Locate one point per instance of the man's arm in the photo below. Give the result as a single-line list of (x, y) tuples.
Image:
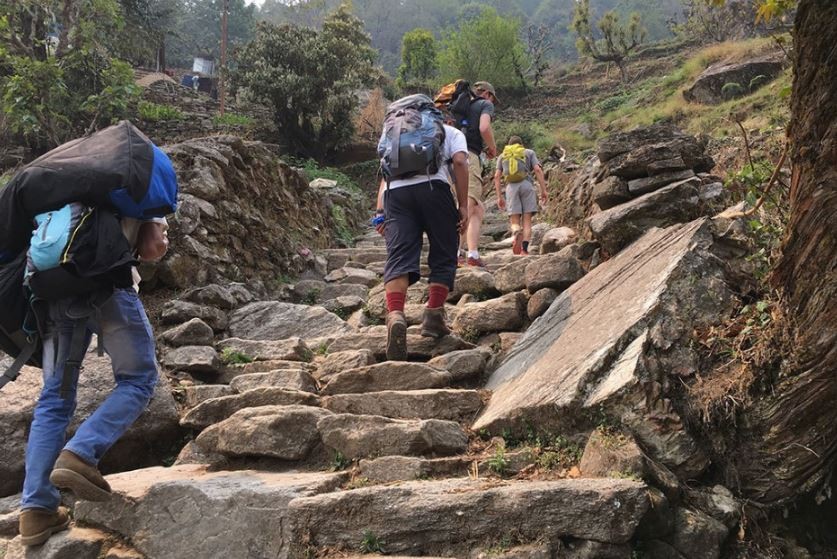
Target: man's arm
[(381, 189), (542, 183), (488, 135), (460, 179), (498, 187)]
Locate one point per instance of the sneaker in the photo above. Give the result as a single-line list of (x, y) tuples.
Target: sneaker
[(517, 242), (475, 262), (460, 261), (396, 336), (37, 525), (76, 475), (433, 323)]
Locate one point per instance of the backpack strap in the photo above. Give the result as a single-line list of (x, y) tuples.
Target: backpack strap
[(13, 371), (395, 155), (72, 365)]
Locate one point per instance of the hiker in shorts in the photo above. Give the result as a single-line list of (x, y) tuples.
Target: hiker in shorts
[(415, 206), (479, 136), (124, 331), (515, 166)]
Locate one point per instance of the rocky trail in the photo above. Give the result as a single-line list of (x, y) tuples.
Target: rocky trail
[(553, 423)]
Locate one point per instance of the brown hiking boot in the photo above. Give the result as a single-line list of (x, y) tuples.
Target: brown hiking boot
[(85, 481), (37, 525), (433, 323), (396, 336)]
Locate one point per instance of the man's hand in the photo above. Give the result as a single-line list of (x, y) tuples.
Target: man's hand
[(491, 151), (463, 219), (380, 228), (152, 241), (501, 202), (544, 197)]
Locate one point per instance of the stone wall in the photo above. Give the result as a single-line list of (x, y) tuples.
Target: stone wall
[(244, 215), (199, 116)]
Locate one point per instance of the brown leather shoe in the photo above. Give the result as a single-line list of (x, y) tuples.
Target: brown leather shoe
[(85, 481), (37, 525), (433, 323), (396, 336)]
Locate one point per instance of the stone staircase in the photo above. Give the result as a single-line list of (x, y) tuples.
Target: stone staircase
[(303, 441)]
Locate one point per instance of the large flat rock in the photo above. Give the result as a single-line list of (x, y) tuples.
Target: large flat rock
[(613, 341), (619, 226), (185, 511), (449, 518), (274, 320), (146, 443)]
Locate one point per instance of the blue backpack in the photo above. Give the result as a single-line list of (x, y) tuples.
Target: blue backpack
[(413, 137)]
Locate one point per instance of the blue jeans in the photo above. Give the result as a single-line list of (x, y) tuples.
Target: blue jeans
[(127, 338)]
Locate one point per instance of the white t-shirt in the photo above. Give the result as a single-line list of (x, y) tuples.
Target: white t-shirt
[(454, 143)]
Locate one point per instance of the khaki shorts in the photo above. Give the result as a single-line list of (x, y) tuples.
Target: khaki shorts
[(521, 198), (475, 182)]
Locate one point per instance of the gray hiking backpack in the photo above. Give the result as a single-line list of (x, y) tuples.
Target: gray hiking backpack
[(413, 137)]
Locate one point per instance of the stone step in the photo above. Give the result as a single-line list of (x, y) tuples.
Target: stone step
[(217, 410), (418, 347), (78, 543), (388, 469), (390, 375), (365, 436), (447, 404), (186, 511), (450, 518)]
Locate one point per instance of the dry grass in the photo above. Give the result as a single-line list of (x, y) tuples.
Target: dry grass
[(745, 352), (371, 118)]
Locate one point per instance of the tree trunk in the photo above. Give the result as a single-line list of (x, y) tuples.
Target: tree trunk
[(794, 429)]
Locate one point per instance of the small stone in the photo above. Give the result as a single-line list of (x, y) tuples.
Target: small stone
[(291, 379), (394, 375), (557, 271), (540, 301), (462, 365), (292, 349), (557, 238), (193, 359), (178, 312), (194, 332), (340, 361)]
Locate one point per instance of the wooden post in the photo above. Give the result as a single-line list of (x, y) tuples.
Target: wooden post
[(222, 90)]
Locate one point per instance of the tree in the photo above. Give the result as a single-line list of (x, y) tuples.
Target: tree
[(310, 78), (418, 60), (793, 443), (708, 22), (617, 42), (199, 29), (538, 46), (53, 89), (488, 48)]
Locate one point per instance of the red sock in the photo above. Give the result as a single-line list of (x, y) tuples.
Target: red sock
[(395, 301), (438, 296)]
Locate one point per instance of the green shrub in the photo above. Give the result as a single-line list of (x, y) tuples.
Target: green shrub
[(313, 170), (230, 356), (232, 119), (731, 89), (154, 112)]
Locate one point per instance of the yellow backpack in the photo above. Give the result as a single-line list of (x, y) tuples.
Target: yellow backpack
[(515, 155)]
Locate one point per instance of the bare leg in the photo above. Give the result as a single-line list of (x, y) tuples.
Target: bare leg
[(397, 285), (475, 215), (527, 227)]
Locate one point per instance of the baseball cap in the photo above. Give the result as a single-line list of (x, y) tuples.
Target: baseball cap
[(485, 86)]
